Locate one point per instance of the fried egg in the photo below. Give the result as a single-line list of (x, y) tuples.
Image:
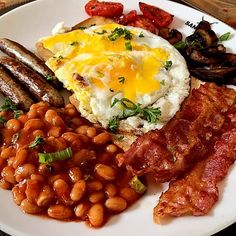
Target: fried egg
[(120, 73)]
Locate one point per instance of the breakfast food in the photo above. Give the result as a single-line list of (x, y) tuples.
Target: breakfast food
[(171, 151), (124, 78), (58, 164), (133, 83)]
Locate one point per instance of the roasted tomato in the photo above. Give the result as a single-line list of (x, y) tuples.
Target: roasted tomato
[(106, 9), (159, 17), (143, 22), (127, 18)]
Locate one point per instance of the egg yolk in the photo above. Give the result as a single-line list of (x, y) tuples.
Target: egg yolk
[(120, 65)]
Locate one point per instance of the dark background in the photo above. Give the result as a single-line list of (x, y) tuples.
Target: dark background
[(231, 230)]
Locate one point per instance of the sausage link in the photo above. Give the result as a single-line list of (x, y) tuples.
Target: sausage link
[(18, 51), (10, 88), (33, 81)]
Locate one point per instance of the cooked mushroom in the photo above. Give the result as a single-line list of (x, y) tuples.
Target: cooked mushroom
[(173, 36), (220, 75), (230, 58), (203, 25)]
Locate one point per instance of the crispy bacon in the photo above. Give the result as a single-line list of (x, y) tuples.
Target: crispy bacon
[(197, 191), (171, 151)]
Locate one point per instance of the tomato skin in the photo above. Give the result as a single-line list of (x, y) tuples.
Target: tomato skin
[(159, 17), (143, 22), (105, 9), (127, 18)]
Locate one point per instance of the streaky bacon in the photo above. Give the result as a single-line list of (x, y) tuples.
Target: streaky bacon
[(171, 151), (197, 192)]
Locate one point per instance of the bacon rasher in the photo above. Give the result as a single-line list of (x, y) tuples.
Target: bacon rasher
[(197, 191), (171, 151)]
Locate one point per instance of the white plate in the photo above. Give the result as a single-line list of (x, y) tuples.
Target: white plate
[(32, 21)]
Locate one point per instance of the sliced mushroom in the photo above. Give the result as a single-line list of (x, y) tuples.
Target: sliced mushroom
[(230, 58)]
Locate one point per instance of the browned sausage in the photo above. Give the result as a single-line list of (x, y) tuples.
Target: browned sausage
[(16, 50), (10, 88), (37, 86)]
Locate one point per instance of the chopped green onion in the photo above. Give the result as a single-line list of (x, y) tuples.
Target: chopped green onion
[(17, 113), (47, 158), (225, 37), (113, 124), (118, 32), (75, 43), (168, 65), (137, 185), (180, 45), (162, 82), (38, 140), (49, 78), (120, 138), (128, 46), (82, 28)]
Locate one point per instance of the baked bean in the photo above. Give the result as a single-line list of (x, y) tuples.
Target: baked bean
[(23, 119), (4, 184), (78, 190), (102, 138), (33, 124), (53, 178), (38, 132), (60, 212), (42, 110), (105, 171), (8, 152), (82, 209), (70, 136), (45, 197), (18, 196), (96, 197), (2, 163), (111, 148), (58, 121), (30, 207), (83, 155), (69, 106), (71, 112), (91, 132), (77, 121), (94, 185), (116, 204), (56, 143), (61, 187), (49, 115), (37, 177), (14, 125), (20, 158), (111, 190), (24, 171), (76, 145), (96, 215), (33, 189), (84, 139), (75, 174), (32, 113), (82, 129), (55, 132), (105, 157), (44, 170), (128, 194), (8, 174)]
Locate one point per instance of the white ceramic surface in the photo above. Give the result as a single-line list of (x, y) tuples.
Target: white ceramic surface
[(28, 23)]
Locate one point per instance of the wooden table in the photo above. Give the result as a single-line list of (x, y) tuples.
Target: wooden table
[(231, 230)]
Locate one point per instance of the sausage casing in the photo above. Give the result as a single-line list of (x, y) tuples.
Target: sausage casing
[(37, 86), (18, 51), (10, 88)]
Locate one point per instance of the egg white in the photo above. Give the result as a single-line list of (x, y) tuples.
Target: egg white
[(95, 101)]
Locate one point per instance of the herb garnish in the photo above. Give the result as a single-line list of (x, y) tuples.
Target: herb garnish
[(162, 82), (74, 43), (3, 120), (131, 109), (10, 106), (141, 35), (113, 124), (38, 140), (118, 32), (225, 37), (121, 79), (103, 32), (82, 27), (168, 65), (128, 46), (49, 78)]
